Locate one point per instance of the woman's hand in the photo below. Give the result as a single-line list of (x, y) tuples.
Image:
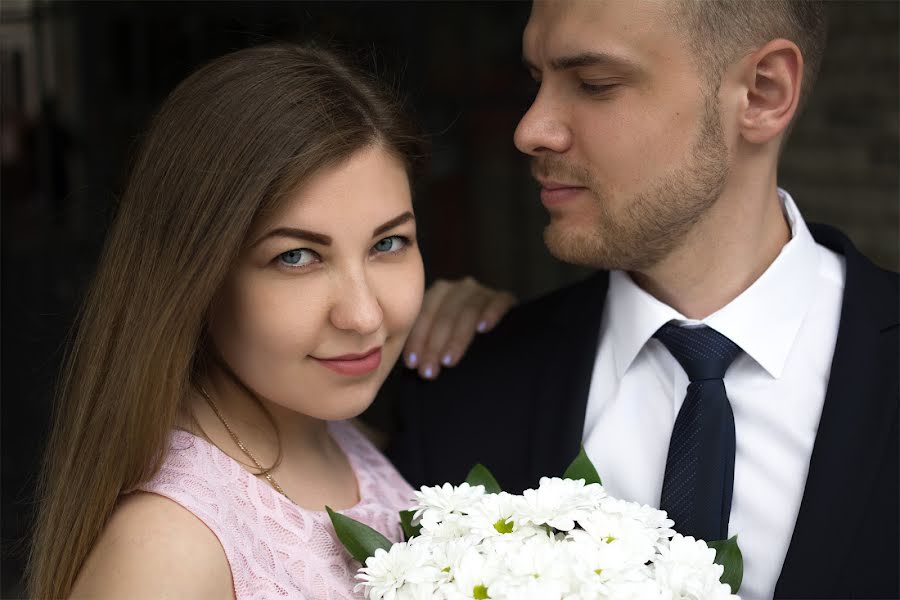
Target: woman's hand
[(452, 313)]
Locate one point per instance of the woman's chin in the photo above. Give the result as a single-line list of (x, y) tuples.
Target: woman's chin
[(343, 407)]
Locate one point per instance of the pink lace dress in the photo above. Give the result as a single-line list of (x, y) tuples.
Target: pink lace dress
[(275, 548)]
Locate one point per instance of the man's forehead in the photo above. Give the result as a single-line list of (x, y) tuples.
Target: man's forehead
[(595, 9), (564, 27)]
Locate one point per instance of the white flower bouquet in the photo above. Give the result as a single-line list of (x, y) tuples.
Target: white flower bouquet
[(567, 539)]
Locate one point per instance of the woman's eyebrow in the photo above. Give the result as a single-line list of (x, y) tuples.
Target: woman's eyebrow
[(398, 220), (325, 240), (293, 232)]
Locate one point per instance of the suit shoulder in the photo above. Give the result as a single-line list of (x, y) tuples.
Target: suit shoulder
[(874, 289), (877, 288), (569, 302)]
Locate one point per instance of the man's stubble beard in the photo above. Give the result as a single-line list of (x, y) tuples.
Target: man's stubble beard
[(653, 222)]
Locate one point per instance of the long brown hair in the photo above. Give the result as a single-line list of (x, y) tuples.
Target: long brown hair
[(226, 146)]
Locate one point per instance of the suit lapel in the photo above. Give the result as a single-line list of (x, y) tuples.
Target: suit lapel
[(853, 431), (565, 379)]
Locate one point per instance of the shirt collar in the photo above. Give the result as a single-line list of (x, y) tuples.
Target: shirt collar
[(779, 299)]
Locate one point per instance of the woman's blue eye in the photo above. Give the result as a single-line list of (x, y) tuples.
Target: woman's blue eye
[(299, 257), (393, 243)]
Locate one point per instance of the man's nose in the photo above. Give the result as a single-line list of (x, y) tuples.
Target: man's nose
[(356, 306), (543, 128)]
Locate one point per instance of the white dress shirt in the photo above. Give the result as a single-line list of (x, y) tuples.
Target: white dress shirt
[(786, 323)]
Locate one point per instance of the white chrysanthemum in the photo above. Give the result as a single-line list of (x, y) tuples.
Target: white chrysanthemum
[(496, 515), (530, 588), (387, 572), (473, 575), (622, 542), (559, 502), (652, 518), (537, 556), (419, 591), (446, 555), (599, 567), (436, 503), (563, 540), (450, 527), (686, 567), (596, 562), (646, 589)]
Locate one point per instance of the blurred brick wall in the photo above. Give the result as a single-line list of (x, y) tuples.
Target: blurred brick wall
[(841, 164)]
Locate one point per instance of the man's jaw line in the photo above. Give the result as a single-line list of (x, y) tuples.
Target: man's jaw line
[(698, 292)]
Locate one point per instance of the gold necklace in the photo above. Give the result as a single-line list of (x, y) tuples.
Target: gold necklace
[(264, 472)]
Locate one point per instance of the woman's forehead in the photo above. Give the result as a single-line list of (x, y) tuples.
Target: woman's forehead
[(357, 195)]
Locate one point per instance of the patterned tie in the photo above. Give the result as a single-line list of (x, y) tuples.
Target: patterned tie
[(697, 486)]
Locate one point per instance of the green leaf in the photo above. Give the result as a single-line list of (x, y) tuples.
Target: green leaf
[(479, 475), (360, 540), (582, 468), (728, 554), (409, 530)]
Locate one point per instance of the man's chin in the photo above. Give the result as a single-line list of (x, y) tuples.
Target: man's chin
[(589, 248), (570, 245)]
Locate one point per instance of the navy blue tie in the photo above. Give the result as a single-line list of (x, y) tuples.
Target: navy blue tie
[(697, 486)]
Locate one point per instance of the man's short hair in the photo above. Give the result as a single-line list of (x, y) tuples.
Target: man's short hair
[(721, 31)]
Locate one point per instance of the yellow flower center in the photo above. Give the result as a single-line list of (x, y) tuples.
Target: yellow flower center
[(504, 526)]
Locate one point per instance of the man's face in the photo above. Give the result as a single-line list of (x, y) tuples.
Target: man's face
[(624, 132)]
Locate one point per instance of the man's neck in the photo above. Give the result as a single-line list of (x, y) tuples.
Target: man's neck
[(739, 238)]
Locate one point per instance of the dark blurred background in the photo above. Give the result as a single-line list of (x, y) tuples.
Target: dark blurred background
[(81, 79)]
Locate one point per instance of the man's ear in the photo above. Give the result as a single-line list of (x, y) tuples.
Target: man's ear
[(770, 78)]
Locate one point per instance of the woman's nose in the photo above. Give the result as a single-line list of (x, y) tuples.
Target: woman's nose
[(356, 306)]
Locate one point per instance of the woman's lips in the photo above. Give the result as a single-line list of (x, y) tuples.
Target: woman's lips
[(353, 365)]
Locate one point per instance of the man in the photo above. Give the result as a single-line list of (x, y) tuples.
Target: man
[(727, 363)]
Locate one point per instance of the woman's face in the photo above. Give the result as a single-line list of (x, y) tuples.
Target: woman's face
[(315, 313)]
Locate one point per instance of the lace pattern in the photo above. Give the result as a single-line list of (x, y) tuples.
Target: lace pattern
[(275, 548)]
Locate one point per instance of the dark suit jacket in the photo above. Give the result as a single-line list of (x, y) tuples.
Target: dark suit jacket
[(516, 403)]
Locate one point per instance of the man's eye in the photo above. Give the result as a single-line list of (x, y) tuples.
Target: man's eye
[(299, 257), (394, 243), (597, 88)]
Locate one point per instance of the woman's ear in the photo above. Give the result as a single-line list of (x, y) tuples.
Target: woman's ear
[(771, 79)]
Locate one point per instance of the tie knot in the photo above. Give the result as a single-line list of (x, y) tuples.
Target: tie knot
[(703, 352)]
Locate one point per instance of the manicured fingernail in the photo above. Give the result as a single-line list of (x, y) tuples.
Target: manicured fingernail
[(482, 327), (429, 372), (412, 359), (447, 360)]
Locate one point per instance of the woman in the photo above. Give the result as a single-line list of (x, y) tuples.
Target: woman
[(256, 287)]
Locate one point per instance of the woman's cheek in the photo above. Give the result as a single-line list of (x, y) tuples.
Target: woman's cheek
[(289, 317), (403, 291), (268, 319)]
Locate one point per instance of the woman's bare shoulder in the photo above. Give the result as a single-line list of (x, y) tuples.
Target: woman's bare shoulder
[(153, 547)]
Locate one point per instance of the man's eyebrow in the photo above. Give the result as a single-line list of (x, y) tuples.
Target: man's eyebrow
[(585, 59), (325, 240), (398, 220)]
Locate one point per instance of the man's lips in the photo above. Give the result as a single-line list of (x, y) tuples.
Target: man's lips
[(353, 364), (554, 193)]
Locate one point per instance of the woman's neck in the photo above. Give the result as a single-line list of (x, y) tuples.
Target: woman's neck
[(312, 469)]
